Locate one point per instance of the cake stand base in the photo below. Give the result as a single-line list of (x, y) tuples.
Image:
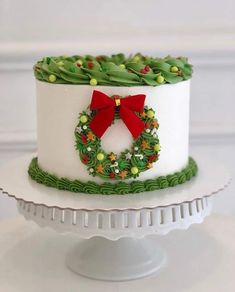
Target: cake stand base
[(114, 226), (121, 260)]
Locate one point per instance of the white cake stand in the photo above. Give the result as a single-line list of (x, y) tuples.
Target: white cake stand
[(115, 227)]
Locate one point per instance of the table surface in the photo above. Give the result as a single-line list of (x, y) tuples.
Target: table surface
[(199, 259)]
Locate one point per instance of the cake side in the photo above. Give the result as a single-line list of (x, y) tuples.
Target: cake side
[(112, 124), (58, 108)]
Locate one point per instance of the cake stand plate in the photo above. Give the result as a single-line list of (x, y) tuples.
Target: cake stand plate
[(114, 223)]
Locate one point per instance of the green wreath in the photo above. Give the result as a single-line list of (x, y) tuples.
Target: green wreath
[(130, 162)]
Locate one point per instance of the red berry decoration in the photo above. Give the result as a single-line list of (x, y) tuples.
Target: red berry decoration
[(147, 68), (84, 139), (90, 65), (152, 158), (85, 159), (143, 71), (147, 125), (112, 175)]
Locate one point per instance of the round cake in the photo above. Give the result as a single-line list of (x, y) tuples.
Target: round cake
[(112, 124)]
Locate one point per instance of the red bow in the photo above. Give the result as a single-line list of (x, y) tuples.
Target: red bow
[(105, 115)]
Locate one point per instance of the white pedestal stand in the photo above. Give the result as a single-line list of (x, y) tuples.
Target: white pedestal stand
[(115, 226)]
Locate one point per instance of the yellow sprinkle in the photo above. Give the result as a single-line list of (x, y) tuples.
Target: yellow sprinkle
[(79, 62), (93, 82), (100, 156), (160, 79), (174, 69), (60, 63), (83, 119), (52, 78), (122, 66), (134, 170), (150, 114), (157, 147)]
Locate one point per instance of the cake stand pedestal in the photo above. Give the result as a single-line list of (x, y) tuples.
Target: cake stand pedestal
[(115, 227)]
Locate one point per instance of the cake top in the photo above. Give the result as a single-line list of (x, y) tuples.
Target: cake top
[(114, 70)]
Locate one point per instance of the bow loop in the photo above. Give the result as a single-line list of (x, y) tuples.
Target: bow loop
[(105, 115), (100, 100), (134, 102)]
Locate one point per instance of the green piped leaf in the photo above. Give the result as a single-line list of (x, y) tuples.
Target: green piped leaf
[(122, 81), (73, 79), (124, 75), (175, 62), (79, 75)]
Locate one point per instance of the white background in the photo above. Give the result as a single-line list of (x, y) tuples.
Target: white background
[(202, 30)]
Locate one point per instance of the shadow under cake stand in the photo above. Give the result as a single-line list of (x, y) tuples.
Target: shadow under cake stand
[(114, 228)]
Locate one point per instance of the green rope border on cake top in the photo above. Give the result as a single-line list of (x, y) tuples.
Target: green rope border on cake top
[(120, 188), (114, 70)]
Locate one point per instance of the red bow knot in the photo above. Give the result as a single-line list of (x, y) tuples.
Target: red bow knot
[(105, 107)]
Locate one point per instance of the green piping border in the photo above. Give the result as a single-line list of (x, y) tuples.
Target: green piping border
[(120, 188), (114, 70)]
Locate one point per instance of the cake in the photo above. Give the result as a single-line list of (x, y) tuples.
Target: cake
[(112, 124)]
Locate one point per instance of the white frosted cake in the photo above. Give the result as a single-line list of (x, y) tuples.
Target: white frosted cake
[(112, 125)]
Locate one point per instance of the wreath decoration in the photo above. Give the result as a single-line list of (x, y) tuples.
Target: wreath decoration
[(141, 122)]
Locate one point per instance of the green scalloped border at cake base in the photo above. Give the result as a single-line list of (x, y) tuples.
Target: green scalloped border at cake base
[(106, 188)]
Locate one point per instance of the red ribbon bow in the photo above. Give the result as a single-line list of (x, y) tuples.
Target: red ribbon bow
[(105, 115)]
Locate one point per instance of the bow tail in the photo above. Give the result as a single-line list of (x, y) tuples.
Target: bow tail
[(102, 120), (132, 122)]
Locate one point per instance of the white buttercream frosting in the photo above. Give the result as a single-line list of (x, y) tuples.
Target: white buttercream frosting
[(58, 108)]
